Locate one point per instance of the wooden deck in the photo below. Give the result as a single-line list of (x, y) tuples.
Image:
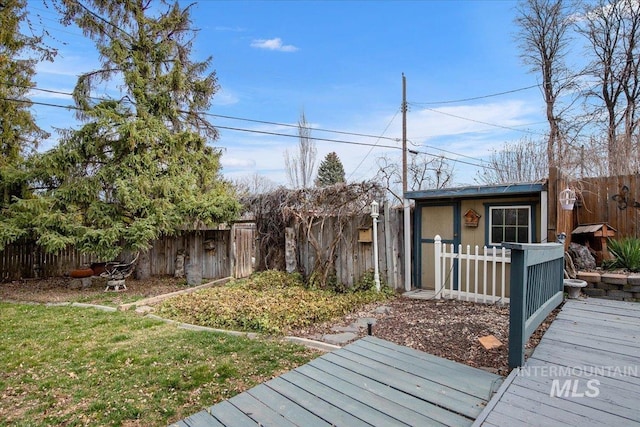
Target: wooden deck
[(584, 372), (370, 382)]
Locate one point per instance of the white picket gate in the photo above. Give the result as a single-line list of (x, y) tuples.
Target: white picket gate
[(478, 285)]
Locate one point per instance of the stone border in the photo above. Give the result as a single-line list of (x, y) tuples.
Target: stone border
[(316, 345), (614, 286), (158, 298)]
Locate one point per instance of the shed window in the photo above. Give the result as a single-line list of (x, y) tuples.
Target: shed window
[(509, 224)]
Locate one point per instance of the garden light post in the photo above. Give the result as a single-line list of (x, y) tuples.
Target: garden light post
[(374, 215)]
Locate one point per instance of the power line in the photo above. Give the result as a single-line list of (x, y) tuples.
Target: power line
[(337, 141), (475, 98), (314, 138), (263, 132), (371, 149), (57, 92), (447, 151), (314, 129), (530, 132), (296, 126)]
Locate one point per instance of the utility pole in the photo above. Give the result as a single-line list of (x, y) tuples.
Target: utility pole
[(407, 209), (404, 134)]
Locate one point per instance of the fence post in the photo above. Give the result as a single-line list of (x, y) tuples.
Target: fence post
[(437, 246), (536, 289), (517, 303)]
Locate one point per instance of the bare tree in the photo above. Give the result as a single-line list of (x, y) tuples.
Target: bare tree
[(423, 172), (254, 184), (522, 161), (612, 30), (544, 37), (300, 166)]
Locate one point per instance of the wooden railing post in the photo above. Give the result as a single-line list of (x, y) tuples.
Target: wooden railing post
[(536, 289), (517, 304)]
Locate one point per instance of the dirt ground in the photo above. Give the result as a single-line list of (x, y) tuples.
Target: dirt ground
[(56, 290), (445, 328)]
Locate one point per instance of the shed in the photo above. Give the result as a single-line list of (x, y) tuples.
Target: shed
[(475, 216), (594, 236)]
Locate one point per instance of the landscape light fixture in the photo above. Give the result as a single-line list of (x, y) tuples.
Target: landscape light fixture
[(375, 213), (567, 199)]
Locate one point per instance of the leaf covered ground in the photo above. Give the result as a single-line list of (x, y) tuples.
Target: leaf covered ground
[(448, 329)]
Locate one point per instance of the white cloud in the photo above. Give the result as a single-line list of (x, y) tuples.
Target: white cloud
[(273, 44), (237, 163), (496, 118), (229, 29), (428, 131), (224, 97)]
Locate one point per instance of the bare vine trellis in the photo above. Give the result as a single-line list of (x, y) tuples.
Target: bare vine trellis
[(312, 212)]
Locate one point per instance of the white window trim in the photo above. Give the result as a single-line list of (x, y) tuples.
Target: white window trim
[(490, 222)]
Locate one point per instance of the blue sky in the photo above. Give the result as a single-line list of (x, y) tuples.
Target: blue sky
[(342, 63)]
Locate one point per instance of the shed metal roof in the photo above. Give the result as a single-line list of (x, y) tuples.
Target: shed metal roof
[(470, 192)]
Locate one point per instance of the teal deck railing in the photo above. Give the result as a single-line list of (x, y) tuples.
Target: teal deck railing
[(536, 288)]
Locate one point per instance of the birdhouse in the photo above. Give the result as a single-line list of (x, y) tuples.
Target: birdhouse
[(471, 218), (595, 236), (365, 235)]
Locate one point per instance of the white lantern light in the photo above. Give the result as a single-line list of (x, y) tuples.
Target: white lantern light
[(567, 199), (374, 209), (374, 215)]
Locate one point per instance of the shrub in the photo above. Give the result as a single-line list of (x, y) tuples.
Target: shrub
[(626, 253), (367, 282), (331, 284), (269, 302), (271, 279)]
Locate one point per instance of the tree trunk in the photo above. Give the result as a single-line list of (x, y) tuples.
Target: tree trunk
[(143, 266)]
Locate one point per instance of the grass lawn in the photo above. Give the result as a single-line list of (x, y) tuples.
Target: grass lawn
[(72, 366)]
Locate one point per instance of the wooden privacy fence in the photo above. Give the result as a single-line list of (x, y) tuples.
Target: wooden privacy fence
[(478, 277), (25, 259), (354, 254), (536, 289), (218, 253)]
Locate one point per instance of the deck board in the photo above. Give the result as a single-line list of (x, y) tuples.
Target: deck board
[(371, 382), (589, 340), (435, 415), (289, 409)]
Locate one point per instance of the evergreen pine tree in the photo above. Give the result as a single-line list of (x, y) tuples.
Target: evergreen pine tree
[(19, 133), (140, 166), (330, 171)]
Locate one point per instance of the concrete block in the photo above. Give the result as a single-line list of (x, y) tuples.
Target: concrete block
[(609, 286), (631, 288), (614, 279), (633, 279), (594, 292), (621, 294), (588, 276)]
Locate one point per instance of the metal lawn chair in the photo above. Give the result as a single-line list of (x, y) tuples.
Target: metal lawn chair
[(116, 272)]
